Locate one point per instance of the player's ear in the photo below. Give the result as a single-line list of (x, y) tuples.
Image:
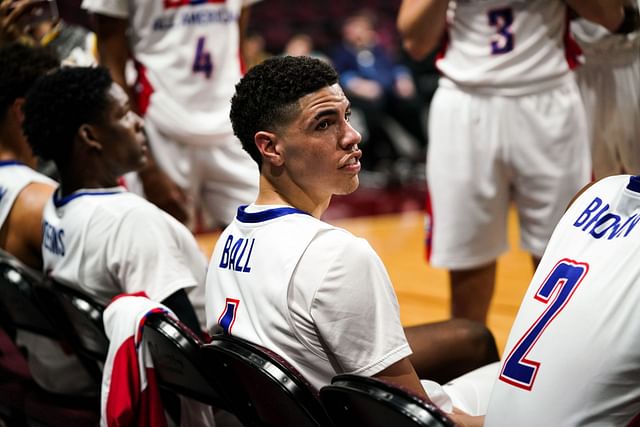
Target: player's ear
[(16, 109), (267, 143), (87, 134)]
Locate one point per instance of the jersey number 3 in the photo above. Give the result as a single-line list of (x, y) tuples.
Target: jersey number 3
[(563, 280), (202, 62), (502, 42)]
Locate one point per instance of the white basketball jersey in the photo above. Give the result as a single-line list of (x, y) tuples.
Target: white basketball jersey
[(108, 241), (273, 281), (599, 45), (572, 357), (190, 56), (14, 177), (509, 47)]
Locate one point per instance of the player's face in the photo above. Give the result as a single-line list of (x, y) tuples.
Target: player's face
[(121, 132), (320, 146)]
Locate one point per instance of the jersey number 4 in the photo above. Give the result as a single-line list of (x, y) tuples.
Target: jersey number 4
[(502, 42), (228, 316), (563, 280), (202, 62)]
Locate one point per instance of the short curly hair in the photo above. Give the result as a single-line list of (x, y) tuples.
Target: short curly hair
[(20, 67), (267, 96), (59, 103)]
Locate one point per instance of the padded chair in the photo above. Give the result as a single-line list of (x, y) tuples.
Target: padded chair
[(80, 319), (264, 390), (177, 359), (22, 402), (358, 401), (21, 309)]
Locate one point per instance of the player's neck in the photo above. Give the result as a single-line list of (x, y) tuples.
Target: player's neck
[(14, 147), (25, 157), (290, 195), (74, 179)]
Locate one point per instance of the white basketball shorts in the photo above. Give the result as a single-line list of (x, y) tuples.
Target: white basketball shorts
[(487, 151)]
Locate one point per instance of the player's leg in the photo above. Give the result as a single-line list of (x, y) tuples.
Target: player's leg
[(445, 350), (230, 179), (469, 196), (550, 158), (471, 291)]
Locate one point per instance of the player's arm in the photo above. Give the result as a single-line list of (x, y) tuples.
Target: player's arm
[(113, 48), (421, 24), (608, 13), (180, 304), (26, 220), (403, 375), (243, 23)]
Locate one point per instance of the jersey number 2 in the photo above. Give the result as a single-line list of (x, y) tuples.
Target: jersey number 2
[(202, 62), (502, 20), (563, 280)]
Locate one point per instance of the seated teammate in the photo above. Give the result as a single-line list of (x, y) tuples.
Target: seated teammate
[(282, 278), (572, 357), (98, 237), (23, 191)]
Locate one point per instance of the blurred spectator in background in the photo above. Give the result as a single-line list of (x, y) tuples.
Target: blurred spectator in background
[(253, 49), (382, 89), (301, 44)]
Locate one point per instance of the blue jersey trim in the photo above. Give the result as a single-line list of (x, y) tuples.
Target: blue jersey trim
[(255, 217), (10, 163), (634, 183), (57, 202)]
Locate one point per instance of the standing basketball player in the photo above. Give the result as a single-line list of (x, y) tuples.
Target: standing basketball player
[(282, 278), (188, 60), (609, 81), (572, 357), (506, 124)]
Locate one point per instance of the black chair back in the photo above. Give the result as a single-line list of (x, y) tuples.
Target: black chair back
[(177, 359), (264, 390), (26, 302), (80, 319), (358, 401), (18, 300)]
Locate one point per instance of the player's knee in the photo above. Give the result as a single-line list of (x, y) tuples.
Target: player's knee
[(480, 340)]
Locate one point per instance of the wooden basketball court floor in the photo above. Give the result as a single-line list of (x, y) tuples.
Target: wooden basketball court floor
[(423, 292)]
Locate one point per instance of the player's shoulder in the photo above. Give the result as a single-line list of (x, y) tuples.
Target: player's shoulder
[(343, 243), (609, 182)]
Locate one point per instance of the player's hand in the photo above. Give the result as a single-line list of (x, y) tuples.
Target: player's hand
[(364, 88), (465, 420), (11, 12), (404, 86), (160, 190)]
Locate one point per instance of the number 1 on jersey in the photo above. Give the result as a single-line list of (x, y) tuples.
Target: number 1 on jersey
[(202, 62), (564, 278)]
